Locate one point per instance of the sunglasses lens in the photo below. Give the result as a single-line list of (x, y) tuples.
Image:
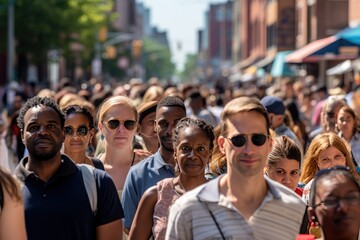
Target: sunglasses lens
[(82, 130), (238, 141), (68, 131), (113, 124), (129, 124), (258, 139)]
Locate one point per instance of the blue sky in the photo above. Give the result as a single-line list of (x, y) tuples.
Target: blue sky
[(181, 19)]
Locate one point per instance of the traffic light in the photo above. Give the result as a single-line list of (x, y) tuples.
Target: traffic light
[(110, 52), (136, 48), (102, 35)]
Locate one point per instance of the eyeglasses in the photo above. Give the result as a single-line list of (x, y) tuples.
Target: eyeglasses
[(114, 124), (257, 139), (352, 198), (81, 130)]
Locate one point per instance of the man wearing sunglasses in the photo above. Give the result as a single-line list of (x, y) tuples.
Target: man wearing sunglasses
[(56, 202), (243, 203), (159, 165)]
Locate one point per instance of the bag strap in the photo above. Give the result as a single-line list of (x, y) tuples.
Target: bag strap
[(87, 173), (213, 217), (1, 197)]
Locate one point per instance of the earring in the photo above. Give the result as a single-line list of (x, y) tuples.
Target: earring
[(314, 228), (102, 137)]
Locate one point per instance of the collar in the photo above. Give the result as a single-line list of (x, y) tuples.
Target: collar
[(67, 167), (159, 161), (210, 191)]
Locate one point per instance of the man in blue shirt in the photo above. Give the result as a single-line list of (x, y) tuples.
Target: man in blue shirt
[(56, 202), (159, 165)]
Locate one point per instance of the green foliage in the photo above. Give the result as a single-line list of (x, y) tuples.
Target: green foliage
[(157, 59), (189, 67), (41, 25)]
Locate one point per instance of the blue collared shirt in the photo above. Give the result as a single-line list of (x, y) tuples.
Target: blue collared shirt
[(141, 177)]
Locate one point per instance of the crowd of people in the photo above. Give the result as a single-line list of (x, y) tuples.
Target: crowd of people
[(149, 161)]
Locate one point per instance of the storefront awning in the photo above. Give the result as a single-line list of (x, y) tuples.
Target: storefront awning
[(300, 55), (341, 46), (280, 68), (341, 68)]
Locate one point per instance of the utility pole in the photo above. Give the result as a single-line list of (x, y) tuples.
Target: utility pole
[(10, 47)]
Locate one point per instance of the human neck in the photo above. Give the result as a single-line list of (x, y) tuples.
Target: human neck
[(78, 157), (112, 156), (244, 192), (168, 156), (189, 183), (44, 169)]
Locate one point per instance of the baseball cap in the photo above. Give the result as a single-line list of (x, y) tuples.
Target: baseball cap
[(273, 105)]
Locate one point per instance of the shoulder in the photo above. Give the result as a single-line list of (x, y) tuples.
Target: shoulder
[(97, 163), (283, 193)]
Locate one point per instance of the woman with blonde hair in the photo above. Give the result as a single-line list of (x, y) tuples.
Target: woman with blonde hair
[(325, 151), (118, 123), (12, 219)]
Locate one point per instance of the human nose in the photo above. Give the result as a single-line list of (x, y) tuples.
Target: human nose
[(286, 179), (42, 130)]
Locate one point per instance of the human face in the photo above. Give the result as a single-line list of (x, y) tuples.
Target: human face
[(147, 127), (345, 123), (285, 171), (121, 136), (331, 157), (42, 134), (331, 116), (193, 151), (77, 143), (343, 220), (166, 120), (248, 160)]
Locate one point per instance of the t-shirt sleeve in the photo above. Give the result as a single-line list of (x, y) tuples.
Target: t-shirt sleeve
[(109, 208), (176, 227), (129, 198)]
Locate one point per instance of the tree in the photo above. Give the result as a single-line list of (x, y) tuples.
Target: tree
[(189, 67), (157, 59), (54, 24)]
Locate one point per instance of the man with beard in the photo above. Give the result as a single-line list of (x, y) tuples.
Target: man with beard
[(159, 165), (55, 197)]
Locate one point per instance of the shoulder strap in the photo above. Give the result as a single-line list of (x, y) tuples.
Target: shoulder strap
[(1, 197), (87, 173)]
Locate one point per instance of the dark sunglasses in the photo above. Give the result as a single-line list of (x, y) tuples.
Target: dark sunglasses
[(114, 124), (257, 139), (330, 114), (81, 131)]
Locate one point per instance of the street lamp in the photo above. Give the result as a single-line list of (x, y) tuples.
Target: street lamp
[(10, 47)]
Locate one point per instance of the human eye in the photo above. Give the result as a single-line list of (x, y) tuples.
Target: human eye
[(163, 124), (352, 197), (51, 126), (280, 171), (294, 173), (339, 156), (185, 148), (33, 128), (201, 149), (324, 159), (330, 202)]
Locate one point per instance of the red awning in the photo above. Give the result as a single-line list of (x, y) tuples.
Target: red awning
[(303, 54)]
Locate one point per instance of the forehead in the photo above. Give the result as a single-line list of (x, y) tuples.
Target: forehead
[(247, 123), (170, 113), (190, 132), (41, 113), (77, 117), (329, 151), (119, 112), (335, 183)]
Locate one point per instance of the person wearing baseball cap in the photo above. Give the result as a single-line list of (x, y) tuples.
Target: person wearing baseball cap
[(276, 110), (147, 112)]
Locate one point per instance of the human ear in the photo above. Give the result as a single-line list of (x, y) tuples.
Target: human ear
[(221, 141)]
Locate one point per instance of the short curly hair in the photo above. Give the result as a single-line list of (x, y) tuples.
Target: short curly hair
[(195, 123), (37, 101)]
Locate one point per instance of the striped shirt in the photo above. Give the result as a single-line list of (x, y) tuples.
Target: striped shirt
[(278, 217)]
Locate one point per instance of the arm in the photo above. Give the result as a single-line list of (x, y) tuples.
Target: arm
[(143, 222), (12, 219), (110, 231)]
